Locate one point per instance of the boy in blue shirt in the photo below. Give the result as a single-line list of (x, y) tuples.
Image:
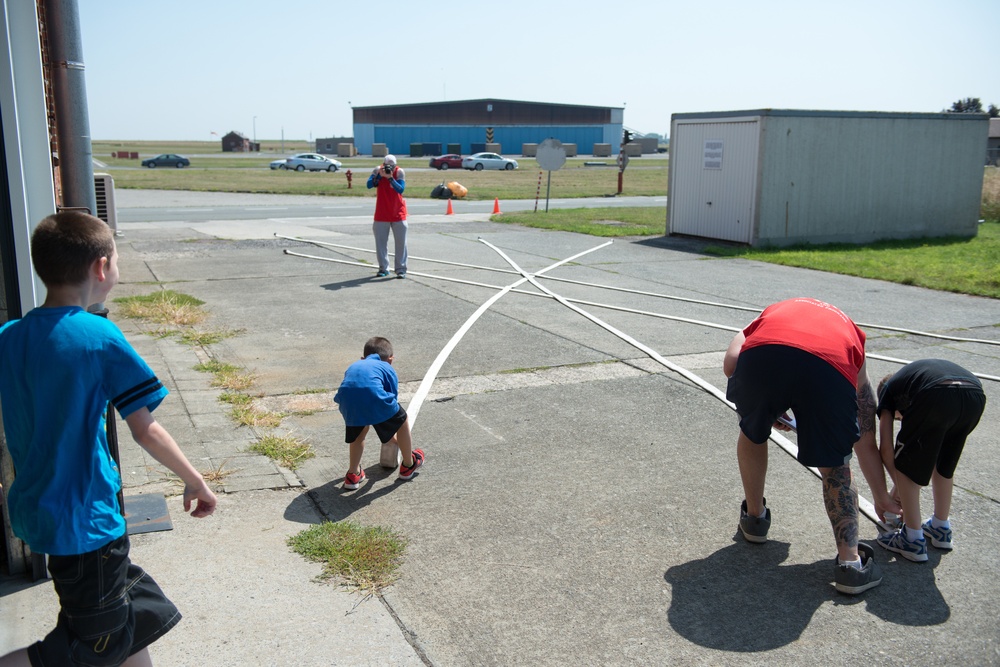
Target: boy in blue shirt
[(368, 396), (61, 368)]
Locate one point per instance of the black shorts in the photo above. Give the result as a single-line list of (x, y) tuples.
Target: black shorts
[(109, 609), (770, 379), (385, 430), (934, 429)]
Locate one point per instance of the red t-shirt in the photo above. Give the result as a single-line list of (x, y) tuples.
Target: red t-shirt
[(389, 204), (815, 327)]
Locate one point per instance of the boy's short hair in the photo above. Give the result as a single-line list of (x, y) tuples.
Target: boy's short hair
[(881, 387), (66, 244), (380, 346)]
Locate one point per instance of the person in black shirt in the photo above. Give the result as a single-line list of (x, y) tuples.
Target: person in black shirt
[(938, 404)]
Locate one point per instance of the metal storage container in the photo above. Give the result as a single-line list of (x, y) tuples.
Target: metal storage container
[(782, 177)]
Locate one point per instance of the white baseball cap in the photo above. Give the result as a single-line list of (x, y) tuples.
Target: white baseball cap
[(389, 159)]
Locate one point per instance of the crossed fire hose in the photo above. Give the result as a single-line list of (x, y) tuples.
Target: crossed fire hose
[(413, 409)]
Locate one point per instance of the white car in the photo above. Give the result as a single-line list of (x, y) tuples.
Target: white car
[(480, 161), (312, 162), (279, 164)]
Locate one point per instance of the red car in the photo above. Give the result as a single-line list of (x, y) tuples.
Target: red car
[(449, 161)]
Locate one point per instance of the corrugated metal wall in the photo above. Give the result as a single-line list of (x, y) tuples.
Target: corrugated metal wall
[(464, 122), (399, 138), (485, 112), (713, 178), (827, 176), (856, 179)]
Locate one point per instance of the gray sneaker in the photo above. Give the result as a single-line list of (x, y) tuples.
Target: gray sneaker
[(939, 537), (850, 580), (754, 528)]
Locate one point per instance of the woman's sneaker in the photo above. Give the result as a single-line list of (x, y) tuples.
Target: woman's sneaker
[(406, 472), (352, 481), (940, 537), (897, 541), (850, 580)]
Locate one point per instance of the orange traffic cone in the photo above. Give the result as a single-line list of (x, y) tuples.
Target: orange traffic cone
[(449, 211), (496, 205)]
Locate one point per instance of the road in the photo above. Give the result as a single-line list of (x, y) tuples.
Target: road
[(147, 206)]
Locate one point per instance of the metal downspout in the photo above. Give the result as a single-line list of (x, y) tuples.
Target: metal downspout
[(69, 88)]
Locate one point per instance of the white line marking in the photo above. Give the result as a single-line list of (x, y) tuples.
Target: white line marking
[(863, 504)]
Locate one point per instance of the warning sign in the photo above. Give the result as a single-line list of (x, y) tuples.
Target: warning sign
[(713, 154)]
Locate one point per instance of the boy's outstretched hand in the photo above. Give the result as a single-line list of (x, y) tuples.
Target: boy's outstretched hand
[(203, 498)]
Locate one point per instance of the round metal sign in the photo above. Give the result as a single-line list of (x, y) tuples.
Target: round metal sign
[(551, 155)]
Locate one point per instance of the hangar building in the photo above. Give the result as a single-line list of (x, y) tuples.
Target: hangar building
[(467, 126)]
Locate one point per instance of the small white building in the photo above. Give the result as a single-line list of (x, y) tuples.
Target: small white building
[(777, 177)]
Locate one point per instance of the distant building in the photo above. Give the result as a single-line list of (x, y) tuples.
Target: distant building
[(469, 126), (993, 143), (234, 142), (328, 146)]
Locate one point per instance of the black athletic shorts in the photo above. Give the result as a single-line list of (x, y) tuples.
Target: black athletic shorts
[(770, 379), (109, 609), (385, 430), (934, 429)]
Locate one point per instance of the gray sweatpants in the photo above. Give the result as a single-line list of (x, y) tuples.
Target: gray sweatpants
[(381, 231)]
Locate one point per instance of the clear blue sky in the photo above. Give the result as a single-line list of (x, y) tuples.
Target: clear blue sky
[(183, 69)]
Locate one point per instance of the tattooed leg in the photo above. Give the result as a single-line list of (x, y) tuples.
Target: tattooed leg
[(841, 498), (866, 409)]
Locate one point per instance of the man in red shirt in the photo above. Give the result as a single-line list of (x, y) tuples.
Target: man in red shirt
[(807, 356), (390, 215)]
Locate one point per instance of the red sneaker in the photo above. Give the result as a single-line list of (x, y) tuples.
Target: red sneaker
[(352, 481), (418, 460)]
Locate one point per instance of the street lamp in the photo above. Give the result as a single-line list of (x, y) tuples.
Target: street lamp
[(255, 129)]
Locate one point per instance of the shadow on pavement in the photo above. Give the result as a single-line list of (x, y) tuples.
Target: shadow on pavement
[(742, 599), (336, 503), (357, 282)]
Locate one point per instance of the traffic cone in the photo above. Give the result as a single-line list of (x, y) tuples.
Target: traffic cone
[(449, 211), (496, 205)]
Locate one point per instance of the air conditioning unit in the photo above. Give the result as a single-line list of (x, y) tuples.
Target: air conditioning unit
[(104, 188)]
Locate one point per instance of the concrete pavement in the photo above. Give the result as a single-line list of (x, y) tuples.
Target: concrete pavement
[(579, 502)]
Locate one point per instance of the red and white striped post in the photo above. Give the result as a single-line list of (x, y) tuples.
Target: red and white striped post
[(538, 192)]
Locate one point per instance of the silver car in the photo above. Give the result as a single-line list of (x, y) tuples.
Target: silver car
[(312, 162), (480, 161)]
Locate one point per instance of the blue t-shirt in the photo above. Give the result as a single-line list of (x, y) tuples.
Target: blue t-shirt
[(59, 367), (368, 393)]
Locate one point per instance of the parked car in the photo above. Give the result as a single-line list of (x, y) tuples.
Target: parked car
[(167, 160), (279, 164), (480, 161), (449, 161), (312, 162)]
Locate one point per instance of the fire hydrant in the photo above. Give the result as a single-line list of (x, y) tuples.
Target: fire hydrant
[(348, 174)]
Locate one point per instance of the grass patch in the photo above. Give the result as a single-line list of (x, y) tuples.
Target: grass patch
[(245, 414), (366, 559), (164, 307), (217, 475), (227, 376), (965, 266), (286, 450), (990, 208), (639, 221), (645, 177), (235, 398), (203, 338)]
